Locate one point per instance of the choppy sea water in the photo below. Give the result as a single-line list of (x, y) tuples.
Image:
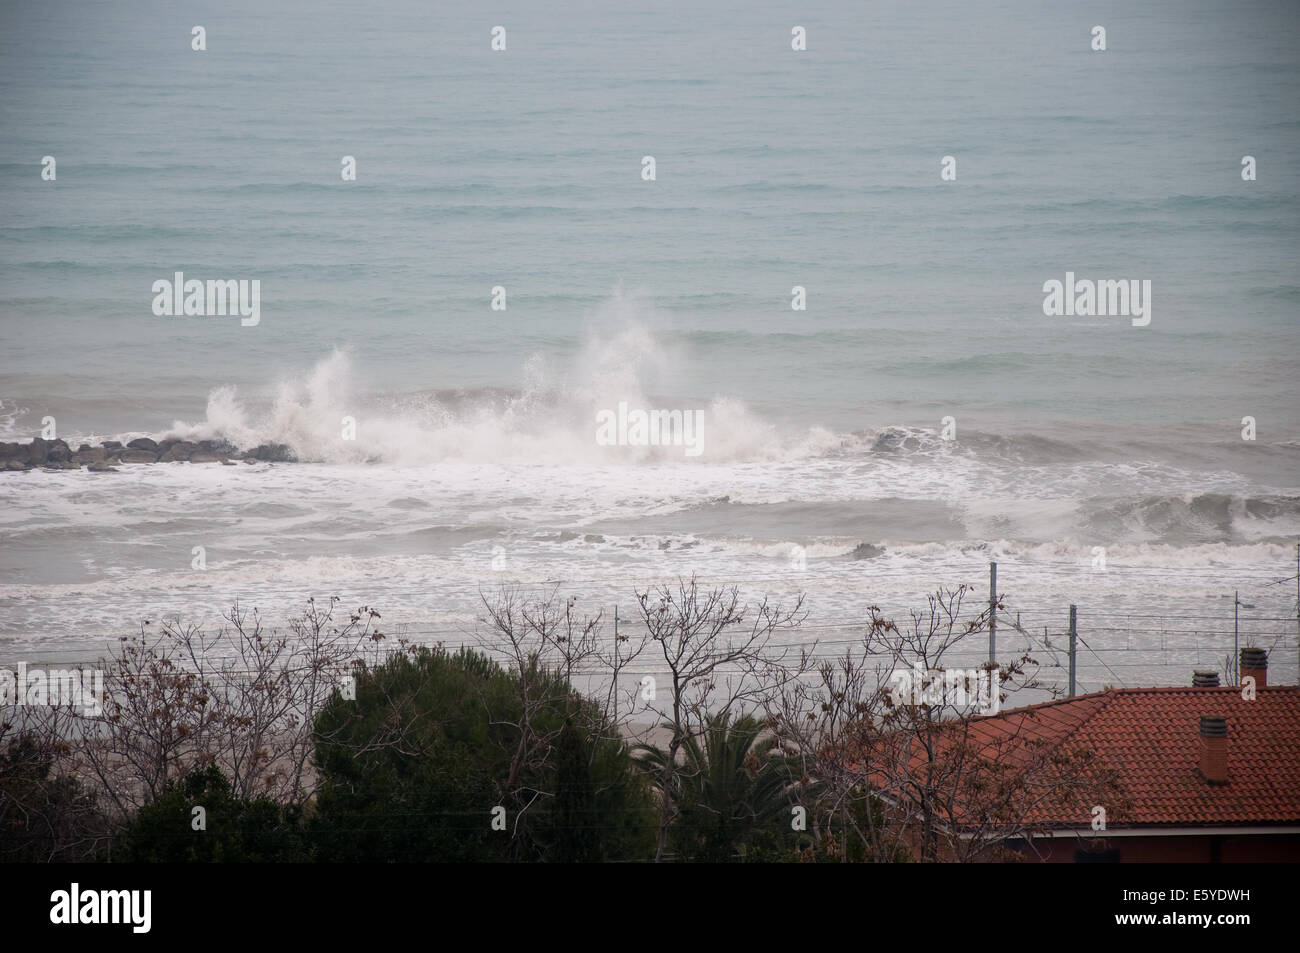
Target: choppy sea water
[(475, 461)]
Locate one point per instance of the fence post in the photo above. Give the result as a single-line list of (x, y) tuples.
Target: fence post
[(993, 613), (1074, 634)]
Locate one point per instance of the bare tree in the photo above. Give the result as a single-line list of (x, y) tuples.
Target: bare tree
[(945, 785), (828, 724), (45, 814), (719, 655), (548, 645), (244, 699)]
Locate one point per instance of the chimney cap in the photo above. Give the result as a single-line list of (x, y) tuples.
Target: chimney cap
[(1254, 658), (1214, 726), (1205, 678)]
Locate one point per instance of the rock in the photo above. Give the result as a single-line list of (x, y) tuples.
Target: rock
[(11, 451), (84, 447), (38, 450), (202, 456), (866, 551), (111, 445), (62, 465), (101, 468), (223, 447), (41, 451), (889, 440), (16, 465), (138, 456), (227, 463), (180, 450), (273, 453), (165, 445), (143, 443), (88, 455)]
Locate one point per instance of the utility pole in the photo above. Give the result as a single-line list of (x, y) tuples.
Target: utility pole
[(1074, 634), (993, 613), (1297, 604), (616, 667)]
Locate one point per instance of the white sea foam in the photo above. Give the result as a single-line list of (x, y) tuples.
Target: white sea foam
[(550, 420)]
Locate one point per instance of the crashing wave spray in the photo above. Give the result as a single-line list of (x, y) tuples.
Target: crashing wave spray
[(551, 419)]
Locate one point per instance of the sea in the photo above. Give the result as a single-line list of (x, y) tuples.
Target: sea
[(824, 231)]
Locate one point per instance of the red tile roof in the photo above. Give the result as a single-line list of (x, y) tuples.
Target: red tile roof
[(1149, 737)]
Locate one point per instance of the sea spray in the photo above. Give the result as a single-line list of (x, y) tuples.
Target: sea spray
[(547, 421)]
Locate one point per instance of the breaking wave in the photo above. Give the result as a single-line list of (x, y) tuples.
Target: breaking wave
[(550, 418)]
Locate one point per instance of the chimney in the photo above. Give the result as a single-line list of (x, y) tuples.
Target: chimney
[(1205, 678), (1214, 749), (1254, 662)]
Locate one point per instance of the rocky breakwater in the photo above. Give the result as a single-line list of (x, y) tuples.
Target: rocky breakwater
[(43, 454)]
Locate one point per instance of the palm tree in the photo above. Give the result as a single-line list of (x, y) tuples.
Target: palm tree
[(732, 782)]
